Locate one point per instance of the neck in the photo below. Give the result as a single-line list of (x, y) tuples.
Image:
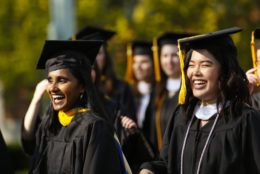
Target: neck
[(208, 102)]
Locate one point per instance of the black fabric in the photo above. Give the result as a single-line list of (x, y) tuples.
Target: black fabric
[(70, 49), (168, 107), (5, 160), (171, 38), (233, 148), (195, 41), (257, 33), (88, 31), (255, 101), (142, 47), (86, 145), (123, 94)]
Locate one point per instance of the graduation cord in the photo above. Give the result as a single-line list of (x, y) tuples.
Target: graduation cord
[(205, 146)]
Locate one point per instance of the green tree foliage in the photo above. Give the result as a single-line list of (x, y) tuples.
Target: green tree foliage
[(24, 23), (22, 34)]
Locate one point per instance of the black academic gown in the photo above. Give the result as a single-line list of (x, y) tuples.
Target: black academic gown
[(255, 100), (166, 111), (5, 161), (123, 94), (233, 148), (86, 145)]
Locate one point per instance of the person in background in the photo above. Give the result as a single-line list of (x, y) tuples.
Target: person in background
[(168, 84), (213, 130), (110, 84), (74, 135), (253, 73)]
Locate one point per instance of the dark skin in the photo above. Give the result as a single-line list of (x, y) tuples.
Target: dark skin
[(63, 89)]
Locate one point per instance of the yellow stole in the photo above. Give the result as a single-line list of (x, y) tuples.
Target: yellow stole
[(66, 117)]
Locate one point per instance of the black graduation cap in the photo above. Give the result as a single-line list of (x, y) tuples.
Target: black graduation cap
[(142, 47), (203, 39), (257, 33), (94, 33), (171, 38), (199, 41), (54, 48)]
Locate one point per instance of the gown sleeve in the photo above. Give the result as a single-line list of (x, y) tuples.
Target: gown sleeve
[(5, 161), (102, 155), (160, 166), (252, 142)]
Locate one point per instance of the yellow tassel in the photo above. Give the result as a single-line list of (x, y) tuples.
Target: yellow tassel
[(129, 69), (156, 61), (254, 57), (74, 37), (182, 94)]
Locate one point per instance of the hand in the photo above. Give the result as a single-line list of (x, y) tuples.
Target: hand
[(146, 171), (40, 90), (128, 122), (252, 79)]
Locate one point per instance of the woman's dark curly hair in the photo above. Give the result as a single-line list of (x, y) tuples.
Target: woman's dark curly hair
[(89, 99), (232, 80)]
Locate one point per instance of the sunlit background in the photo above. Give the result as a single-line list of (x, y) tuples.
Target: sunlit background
[(26, 24)]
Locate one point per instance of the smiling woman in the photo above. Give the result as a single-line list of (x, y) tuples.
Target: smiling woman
[(213, 130), (74, 135)]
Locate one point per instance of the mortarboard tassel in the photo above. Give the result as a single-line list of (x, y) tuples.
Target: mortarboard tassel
[(182, 94), (129, 69), (253, 52), (73, 37), (156, 61)]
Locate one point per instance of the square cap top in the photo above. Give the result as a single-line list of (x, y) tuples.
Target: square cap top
[(142, 47), (172, 37), (54, 48), (90, 30), (257, 33), (207, 38)]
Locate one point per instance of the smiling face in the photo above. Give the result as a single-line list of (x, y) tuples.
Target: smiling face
[(63, 89), (203, 73), (170, 61), (142, 67)]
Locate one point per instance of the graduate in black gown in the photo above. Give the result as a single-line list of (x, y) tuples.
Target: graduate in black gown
[(74, 136), (213, 130), (112, 86), (5, 160), (168, 83), (140, 74), (252, 74)]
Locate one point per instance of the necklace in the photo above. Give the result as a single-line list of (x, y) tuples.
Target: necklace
[(205, 146)]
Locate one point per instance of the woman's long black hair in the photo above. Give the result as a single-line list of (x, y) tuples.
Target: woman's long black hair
[(232, 80), (89, 98)]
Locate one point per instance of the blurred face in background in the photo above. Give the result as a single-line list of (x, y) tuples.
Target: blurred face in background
[(170, 62), (258, 61), (142, 67), (101, 58)]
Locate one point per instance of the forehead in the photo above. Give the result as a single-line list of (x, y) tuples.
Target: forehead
[(170, 47), (202, 55), (61, 72), (139, 58)]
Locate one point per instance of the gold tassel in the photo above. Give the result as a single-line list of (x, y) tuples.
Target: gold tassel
[(129, 68), (156, 61), (74, 37), (254, 57), (182, 94)]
